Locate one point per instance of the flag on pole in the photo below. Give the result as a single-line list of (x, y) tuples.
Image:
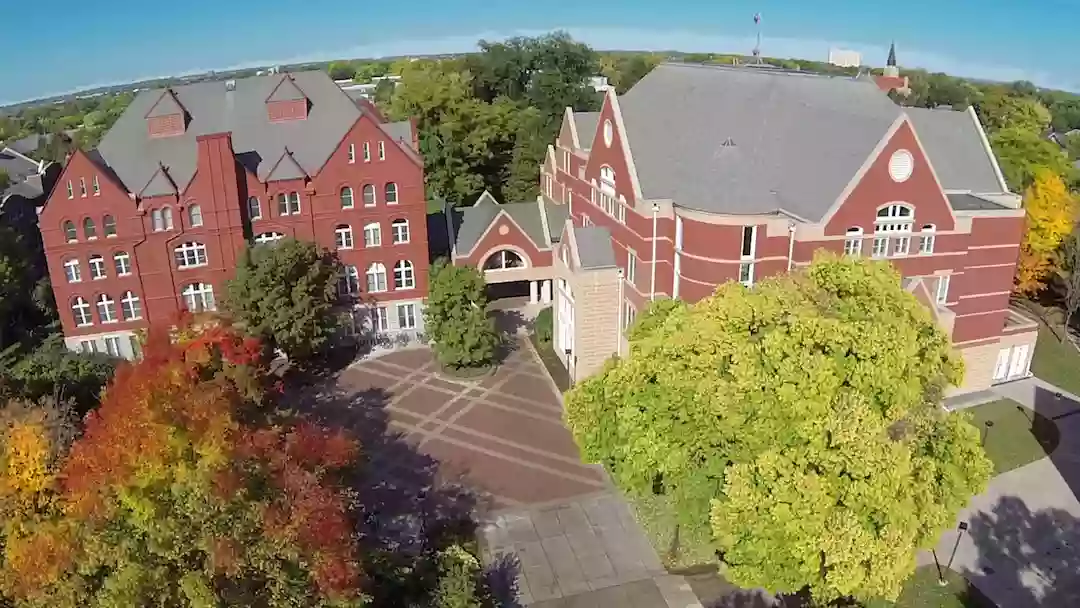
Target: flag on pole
[(757, 18)]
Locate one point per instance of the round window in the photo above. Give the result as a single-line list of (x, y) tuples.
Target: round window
[(608, 133), (901, 165)]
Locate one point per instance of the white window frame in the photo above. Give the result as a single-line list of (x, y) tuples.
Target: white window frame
[(108, 226), (941, 295), (96, 186), (72, 271), (131, 306), (352, 154), (375, 276), (254, 212), (70, 190), (112, 345), (349, 285), (406, 316), (71, 232), (748, 253), (346, 197), (166, 214), (380, 319), (195, 217), (106, 307), (268, 237), (191, 255), (894, 220), (399, 231), (122, 263), (629, 314), (82, 187), (369, 201), (881, 247), (631, 267), (343, 237), (88, 347), (199, 297), (853, 239), (927, 239), (746, 273), (97, 267), (388, 190), (89, 229), (372, 235), (367, 152), (81, 312), (404, 275), (901, 246), (382, 150), (503, 257)]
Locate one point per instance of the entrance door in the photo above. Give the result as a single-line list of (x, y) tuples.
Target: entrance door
[(1019, 364), (1001, 367)]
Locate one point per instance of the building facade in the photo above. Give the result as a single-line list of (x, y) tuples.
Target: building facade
[(701, 175), (154, 221)]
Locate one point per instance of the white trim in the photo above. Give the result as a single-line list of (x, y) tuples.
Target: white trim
[(869, 162), (986, 148), (628, 158)]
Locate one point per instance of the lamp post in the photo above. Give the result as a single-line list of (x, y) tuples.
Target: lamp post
[(948, 566), (989, 424)]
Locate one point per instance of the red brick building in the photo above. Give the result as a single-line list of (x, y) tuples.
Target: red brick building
[(154, 220), (704, 174)]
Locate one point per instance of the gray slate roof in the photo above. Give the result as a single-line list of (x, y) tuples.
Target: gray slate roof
[(286, 168), (794, 141), (594, 247), (400, 131), (585, 125), (159, 185), (951, 139), (258, 143), (476, 219), (968, 202), (166, 105), (556, 218)]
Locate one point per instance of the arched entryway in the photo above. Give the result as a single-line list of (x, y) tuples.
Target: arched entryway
[(504, 259)]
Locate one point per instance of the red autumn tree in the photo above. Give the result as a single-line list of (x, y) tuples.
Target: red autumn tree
[(170, 499)]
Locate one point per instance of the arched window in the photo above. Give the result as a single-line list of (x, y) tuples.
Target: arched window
[(346, 198), (268, 237), (89, 230), (72, 271), (376, 278), (391, 193), (607, 179), (199, 297), (97, 267), (343, 237), (254, 209), (191, 255), (122, 263), (157, 220), (369, 195), (349, 285), (106, 308), (503, 260), (130, 306), (167, 213), (399, 229), (70, 235), (926, 241), (404, 277), (853, 242), (194, 216), (109, 224), (80, 310), (894, 218), (372, 235)]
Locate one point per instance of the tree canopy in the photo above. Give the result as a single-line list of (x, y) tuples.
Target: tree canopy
[(800, 419), (1051, 214), (456, 316)]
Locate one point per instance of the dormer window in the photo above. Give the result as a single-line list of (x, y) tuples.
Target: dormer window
[(166, 118), (286, 101)]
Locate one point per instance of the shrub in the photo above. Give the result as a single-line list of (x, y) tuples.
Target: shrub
[(543, 326)]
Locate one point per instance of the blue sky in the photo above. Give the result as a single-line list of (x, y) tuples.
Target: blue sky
[(126, 40)]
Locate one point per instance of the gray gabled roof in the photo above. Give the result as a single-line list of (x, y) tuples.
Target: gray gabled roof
[(556, 218), (594, 247), (585, 125), (286, 168), (400, 131), (745, 141), (286, 90), (259, 143), (476, 220), (159, 184), (954, 144), (969, 202), (166, 105)]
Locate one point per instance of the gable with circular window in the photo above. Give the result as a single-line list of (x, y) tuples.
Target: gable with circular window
[(901, 165)]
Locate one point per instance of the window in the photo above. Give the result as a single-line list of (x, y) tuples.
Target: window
[(609, 133), (399, 230), (288, 204), (254, 208), (346, 198), (268, 237), (369, 195), (157, 220), (404, 278), (566, 160), (112, 346), (80, 309), (943, 289), (607, 190), (350, 281), (881, 247), (749, 242), (130, 306), (122, 264), (88, 346), (194, 216), (503, 260), (372, 235), (82, 187), (629, 313), (109, 224), (72, 271), (391, 194), (894, 218), (926, 241), (69, 232), (746, 273), (352, 153), (97, 267), (367, 152), (376, 278), (901, 245), (380, 321), (190, 255), (406, 316), (853, 242), (343, 237), (96, 186), (167, 214), (199, 297), (106, 308), (382, 150), (70, 191), (89, 230), (631, 267)]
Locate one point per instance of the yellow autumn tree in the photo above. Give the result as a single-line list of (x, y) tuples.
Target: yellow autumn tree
[(33, 436), (1050, 212)]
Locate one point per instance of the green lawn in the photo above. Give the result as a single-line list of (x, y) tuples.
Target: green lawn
[(923, 591), (1055, 362), (1016, 435), (552, 362)]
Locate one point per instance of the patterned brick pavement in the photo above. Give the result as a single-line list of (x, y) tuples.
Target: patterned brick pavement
[(501, 435)]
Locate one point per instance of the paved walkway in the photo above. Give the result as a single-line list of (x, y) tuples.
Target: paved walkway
[(1022, 547)]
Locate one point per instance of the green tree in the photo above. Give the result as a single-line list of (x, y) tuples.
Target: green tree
[(456, 317), (52, 370), (800, 420), (1072, 146), (341, 70), (284, 293), (5, 180), (999, 110), (1022, 153)]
